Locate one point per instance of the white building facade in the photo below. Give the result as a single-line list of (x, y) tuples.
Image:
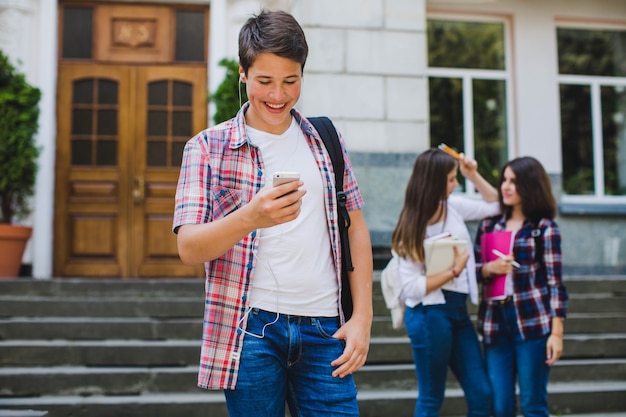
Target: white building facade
[(497, 79)]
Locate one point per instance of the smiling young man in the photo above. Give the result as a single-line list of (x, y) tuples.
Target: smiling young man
[(274, 331)]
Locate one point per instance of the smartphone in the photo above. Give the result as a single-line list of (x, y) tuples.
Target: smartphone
[(282, 177)]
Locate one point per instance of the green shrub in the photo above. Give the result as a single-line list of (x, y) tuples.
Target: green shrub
[(226, 97), (19, 121)]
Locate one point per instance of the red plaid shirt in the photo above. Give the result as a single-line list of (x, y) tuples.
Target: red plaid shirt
[(538, 292), (221, 171)]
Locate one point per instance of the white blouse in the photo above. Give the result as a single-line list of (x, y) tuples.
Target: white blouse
[(412, 274)]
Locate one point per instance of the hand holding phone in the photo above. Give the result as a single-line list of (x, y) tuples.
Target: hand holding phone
[(283, 177)]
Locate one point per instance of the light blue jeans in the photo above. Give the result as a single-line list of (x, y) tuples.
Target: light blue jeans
[(510, 357), (291, 363), (443, 336)]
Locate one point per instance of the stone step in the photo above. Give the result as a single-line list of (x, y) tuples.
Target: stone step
[(114, 347), (383, 350), (93, 328), (30, 306), (84, 381), (154, 328), (577, 304), (387, 350), (588, 323), (97, 287), (565, 398), (166, 287), (172, 306)]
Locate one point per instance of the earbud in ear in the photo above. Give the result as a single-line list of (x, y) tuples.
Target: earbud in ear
[(242, 79)]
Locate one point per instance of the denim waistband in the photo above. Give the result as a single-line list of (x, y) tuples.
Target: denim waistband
[(291, 317), (453, 297)]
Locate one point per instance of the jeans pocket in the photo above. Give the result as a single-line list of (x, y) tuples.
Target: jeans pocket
[(326, 327)]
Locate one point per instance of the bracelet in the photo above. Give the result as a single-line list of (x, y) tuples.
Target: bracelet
[(454, 273)]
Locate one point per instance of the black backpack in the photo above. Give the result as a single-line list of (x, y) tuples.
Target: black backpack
[(328, 133)]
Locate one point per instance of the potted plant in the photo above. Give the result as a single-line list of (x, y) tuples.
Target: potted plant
[(19, 121)]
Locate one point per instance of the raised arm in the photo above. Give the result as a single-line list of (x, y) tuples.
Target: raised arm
[(469, 169)]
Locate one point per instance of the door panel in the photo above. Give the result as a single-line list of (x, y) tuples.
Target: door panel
[(119, 146), (170, 101), (91, 232)]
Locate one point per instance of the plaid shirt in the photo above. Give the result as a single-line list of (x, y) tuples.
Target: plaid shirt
[(538, 292), (221, 171)]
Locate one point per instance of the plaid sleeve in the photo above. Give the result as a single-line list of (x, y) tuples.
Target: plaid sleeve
[(191, 201), (553, 263)]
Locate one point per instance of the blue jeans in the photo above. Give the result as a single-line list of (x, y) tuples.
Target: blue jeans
[(443, 336), (509, 357), (289, 361)]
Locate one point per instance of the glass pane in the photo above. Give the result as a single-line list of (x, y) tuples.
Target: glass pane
[(157, 154), (592, 52), (446, 111), (81, 152), (106, 153), (182, 94), (157, 123), (82, 122), (190, 38), (107, 92), (490, 127), (77, 32), (576, 139), (82, 92), (107, 122), (614, 139), (157, 93), (177, 153), (454, 44), (181, 123)]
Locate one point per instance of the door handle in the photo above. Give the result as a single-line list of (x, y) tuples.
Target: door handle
[(139, 190)]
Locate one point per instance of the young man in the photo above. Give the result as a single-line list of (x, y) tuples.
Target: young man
[(274, 331)]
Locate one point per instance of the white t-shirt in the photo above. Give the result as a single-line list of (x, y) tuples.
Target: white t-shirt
[(460, 209), (294, 272)]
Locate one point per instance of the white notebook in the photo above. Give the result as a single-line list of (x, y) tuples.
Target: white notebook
[(439, 252)]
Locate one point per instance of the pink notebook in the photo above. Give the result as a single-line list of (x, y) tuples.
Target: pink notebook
[(501, 241)]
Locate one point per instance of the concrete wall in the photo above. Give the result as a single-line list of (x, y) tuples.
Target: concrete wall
[(367, 70)]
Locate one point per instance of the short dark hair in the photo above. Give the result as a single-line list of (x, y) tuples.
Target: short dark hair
[(275, 32), (534, 187)]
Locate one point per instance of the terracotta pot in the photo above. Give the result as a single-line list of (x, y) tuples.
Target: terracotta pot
[(13, 241)]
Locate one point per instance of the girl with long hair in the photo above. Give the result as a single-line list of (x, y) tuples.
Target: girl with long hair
[(436, 317), (523, 331)]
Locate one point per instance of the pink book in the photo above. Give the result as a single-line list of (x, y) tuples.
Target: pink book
[(494, 289)]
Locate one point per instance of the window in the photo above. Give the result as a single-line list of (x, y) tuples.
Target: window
[(77, 36), (468, 84), (592, 86)]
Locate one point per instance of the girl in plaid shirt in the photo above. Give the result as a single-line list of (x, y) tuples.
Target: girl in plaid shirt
[(523, 333)]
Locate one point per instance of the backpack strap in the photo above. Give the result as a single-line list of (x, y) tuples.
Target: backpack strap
[(537, 234), (328, 133)]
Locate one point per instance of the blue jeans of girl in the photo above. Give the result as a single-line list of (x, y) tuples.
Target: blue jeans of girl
[(510, 357), (287, 359), (442, 336)]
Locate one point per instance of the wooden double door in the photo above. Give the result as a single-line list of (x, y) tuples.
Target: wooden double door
[(121, 130)]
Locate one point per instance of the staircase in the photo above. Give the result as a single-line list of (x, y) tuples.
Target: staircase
[(104, 348)]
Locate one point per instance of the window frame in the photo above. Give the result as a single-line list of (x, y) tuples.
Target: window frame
[(468, 75), (580, 202)]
